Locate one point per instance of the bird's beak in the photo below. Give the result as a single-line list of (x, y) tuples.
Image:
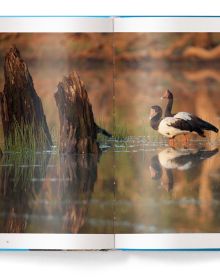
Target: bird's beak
[(165, 95)]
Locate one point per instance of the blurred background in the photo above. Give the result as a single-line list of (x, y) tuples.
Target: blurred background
[(149, 63)]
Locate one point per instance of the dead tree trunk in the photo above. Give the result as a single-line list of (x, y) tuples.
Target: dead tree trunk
[(21, 108), (78, 131)]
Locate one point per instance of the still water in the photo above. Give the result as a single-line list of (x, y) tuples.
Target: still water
[(167, 190), (48, 193), (135, 187)]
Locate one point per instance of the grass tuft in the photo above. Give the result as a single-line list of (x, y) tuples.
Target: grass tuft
[(25, 138), (120, 132)]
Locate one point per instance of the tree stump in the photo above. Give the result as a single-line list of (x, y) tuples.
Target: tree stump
[(21, 108), (78, 131)]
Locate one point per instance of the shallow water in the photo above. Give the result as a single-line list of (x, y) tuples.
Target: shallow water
[(167, 190), (137, 186), (51, 193)]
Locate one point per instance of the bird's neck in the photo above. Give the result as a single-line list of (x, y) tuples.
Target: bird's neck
[(170, 179), (155, 121), (168, 110)]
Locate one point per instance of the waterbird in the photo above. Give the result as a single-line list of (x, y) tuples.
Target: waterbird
[(170, 127), (197, 124)]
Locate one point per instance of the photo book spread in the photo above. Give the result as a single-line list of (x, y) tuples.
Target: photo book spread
[(109, 133)]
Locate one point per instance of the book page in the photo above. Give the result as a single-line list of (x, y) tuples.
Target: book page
[(167, 164), (56, 159)]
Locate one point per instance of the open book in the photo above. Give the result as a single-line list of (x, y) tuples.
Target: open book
[(109, 133)]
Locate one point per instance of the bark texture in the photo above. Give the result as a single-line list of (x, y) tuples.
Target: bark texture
[(78, 131), (21, 107)]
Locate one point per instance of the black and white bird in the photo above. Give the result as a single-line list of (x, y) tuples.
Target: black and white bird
[(198, 125), (170, 127)]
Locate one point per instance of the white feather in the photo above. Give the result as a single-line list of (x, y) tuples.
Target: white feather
[(167, 159), (168, 131), (184, 116)]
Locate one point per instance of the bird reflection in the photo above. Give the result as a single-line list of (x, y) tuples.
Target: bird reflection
[(170, 159)]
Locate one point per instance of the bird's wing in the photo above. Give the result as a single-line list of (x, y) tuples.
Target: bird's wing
[(180, 124), (184, 116)]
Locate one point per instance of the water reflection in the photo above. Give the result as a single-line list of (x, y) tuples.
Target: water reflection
[(17, 173), (167, 190), (180, 159), (52, 193), (78, 175)]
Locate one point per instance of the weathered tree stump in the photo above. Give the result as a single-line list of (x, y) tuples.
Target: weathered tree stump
[(78, 131), (21, 108)]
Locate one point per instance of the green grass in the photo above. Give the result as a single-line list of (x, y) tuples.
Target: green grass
[(25, 138), (120, 132), (102, 139)]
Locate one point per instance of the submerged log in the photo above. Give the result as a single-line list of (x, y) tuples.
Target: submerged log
[(21, 108), (78, 131)]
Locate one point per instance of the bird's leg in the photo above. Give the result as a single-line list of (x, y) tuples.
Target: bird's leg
[(171, 142), (186, 140)]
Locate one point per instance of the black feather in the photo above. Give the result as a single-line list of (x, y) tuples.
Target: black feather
[(187, 126), (204, 125), (195, 158)]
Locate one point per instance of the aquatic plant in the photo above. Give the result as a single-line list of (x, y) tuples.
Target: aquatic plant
[(120, 131), (101, 137), (23, 138)]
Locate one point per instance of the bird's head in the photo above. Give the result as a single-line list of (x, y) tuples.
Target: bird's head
[(155, 111), (167, 95)]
